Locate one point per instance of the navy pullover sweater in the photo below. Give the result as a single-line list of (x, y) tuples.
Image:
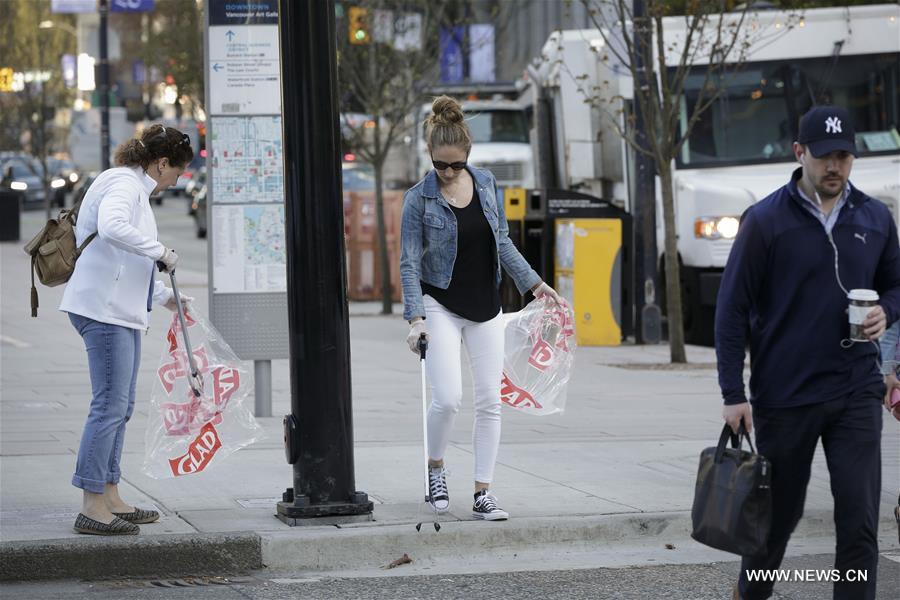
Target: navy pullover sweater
[(779, 287)]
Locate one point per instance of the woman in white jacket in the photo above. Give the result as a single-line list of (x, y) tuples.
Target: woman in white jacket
[(108, 300)]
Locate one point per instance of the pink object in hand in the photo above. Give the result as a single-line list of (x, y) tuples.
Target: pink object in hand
[(895, 398)]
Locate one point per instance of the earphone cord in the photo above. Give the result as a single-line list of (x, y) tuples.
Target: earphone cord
[(847, 343)]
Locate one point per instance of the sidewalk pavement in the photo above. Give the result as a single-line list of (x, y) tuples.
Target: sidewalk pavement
[(616, 470)]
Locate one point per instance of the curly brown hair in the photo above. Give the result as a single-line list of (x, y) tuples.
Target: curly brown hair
[(155, 142)]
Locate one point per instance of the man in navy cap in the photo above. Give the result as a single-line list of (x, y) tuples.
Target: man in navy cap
[(797, 254)]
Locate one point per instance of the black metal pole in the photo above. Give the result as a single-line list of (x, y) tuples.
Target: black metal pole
[(103, 84), (319, 430), (648, 328)]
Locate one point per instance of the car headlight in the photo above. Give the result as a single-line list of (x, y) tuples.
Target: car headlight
[(57, 183), (19, 185), (715, 228), (73, 177)]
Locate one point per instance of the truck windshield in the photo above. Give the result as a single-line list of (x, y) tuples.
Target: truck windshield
[(498, 126), (755, 120)]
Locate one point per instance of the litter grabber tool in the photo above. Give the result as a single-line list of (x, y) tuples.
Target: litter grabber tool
[(196, 379), (423, 347)]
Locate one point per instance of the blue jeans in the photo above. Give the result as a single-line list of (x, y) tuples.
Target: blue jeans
[(114, 355)]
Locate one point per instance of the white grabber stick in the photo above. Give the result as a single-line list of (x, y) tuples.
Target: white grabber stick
[(195, 380), (423, 347)]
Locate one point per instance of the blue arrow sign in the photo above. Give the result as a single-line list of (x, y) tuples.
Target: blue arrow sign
[(217, 66), (230, 35)]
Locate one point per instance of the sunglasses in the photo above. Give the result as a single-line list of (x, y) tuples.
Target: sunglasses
[(185, 138), (442, 166)]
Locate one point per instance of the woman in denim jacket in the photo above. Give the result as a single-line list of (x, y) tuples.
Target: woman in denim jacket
[(454, 242)]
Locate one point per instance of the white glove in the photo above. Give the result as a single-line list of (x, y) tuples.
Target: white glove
[(169, 259), (545, 290), (185, 303), (415, 331)]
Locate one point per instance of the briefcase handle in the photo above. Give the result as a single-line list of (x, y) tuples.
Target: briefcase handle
[(736, 439)]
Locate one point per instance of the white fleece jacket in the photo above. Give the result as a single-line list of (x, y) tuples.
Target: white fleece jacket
[(112, 277)]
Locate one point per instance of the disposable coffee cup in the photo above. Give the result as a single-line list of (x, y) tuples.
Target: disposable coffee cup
[(861, 302)]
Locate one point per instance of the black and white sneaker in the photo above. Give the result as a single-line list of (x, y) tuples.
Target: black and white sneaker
[(437, 489), (486, 508)]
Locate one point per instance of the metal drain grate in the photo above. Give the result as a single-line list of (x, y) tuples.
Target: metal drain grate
[(184, 582)]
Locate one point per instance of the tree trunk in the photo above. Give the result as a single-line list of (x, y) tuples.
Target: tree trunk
[(387, 301), (673, 272)]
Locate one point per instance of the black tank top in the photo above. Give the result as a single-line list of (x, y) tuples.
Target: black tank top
[(472, 293)]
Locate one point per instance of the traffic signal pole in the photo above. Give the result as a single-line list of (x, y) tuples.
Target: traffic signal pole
[(103, 83), (319, 430), (648, 317)]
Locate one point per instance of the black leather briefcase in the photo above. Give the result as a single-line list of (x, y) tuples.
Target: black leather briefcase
[(733, 499)]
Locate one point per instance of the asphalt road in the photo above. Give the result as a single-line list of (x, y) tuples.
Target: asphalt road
[(684, 582)]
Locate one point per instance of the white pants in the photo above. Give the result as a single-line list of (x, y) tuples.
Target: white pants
[(443, 366)]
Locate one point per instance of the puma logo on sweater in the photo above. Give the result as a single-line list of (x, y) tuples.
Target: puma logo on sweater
[(861, 236)]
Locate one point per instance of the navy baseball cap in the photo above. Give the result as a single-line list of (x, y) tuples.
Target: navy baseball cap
[(826, 129)]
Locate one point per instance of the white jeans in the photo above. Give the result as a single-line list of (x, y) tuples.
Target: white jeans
[(443, 366)]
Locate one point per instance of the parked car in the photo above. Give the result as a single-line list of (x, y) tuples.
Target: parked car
[(31, 174), (198, 206), (18, 175), (357, 176), (66, 170), (193, 188)]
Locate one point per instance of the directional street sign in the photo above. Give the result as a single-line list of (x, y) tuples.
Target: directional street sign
[(244, 70)]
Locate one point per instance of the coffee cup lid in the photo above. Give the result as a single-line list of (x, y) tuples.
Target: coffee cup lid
[(863, 295)]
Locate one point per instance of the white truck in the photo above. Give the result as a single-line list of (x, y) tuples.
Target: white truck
[(741, 149)]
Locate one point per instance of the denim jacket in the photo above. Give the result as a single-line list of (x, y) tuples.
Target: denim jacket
[(428, 239)]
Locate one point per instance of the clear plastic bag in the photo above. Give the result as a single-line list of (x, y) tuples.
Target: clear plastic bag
[(187, 434), (539, 351)]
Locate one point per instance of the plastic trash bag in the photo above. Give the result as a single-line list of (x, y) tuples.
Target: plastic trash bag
[(539, 351), (187, 434)]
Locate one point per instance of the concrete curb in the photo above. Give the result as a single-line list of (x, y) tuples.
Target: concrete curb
[(361, 547), (352, 547), (131, 556)]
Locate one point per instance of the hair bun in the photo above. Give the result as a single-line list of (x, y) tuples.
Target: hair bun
[(447, 111)]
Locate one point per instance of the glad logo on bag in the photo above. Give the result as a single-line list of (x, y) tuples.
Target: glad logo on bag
[(175, 329), (515, 396), (199, 453), (177, 367), (186, 418), (541, 355), (226, 381)]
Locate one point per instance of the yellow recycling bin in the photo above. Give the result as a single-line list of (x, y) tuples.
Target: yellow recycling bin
[(588, 273)]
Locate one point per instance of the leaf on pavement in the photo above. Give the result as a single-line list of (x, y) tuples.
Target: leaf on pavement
[(403, 560)]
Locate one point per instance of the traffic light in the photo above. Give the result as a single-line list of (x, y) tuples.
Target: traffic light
[(358, 25)]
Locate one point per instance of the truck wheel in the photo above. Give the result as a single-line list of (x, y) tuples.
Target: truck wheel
[(698, 319)]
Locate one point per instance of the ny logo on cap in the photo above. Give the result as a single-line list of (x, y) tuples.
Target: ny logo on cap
[(832, 125)]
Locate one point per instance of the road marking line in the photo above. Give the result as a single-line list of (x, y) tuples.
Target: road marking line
[(5, 339)]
